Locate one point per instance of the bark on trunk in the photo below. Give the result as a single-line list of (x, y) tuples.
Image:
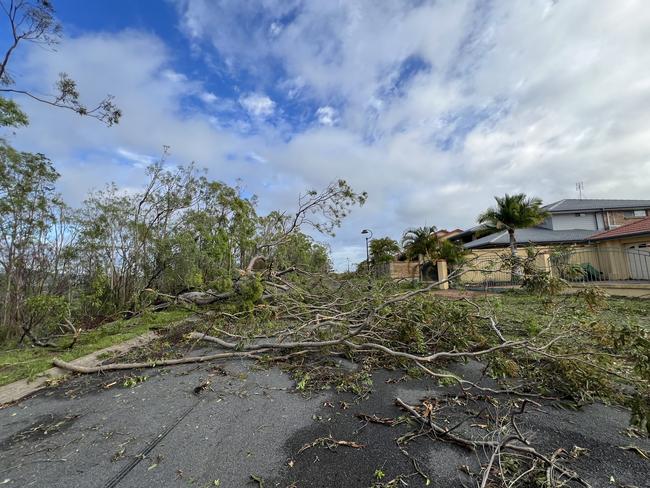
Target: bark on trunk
[(513, 242)]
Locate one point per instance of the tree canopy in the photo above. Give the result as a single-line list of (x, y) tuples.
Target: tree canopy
[(513, 212), (383, 250), (34, 21)]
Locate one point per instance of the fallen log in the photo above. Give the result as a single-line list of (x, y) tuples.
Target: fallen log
[(59, 363)]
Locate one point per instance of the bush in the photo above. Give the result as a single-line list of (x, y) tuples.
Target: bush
[(44, 313)]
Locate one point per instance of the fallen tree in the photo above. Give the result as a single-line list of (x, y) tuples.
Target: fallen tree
[(298, 319), (305, 313), (75, 368), (276, 315)]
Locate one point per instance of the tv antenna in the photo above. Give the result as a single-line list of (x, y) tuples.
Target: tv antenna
[(580, 186)]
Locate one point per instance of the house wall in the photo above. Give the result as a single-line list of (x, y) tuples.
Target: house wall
[(631, 241), (585, 221), (487, 264), (548, 223), (399, 270), (627, 257), (617, 219), (410, 270), (588, 220), (607, 257)]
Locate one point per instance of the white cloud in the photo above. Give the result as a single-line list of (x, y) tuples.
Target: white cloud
[(138, 160), (326, 115), (208, 97), (174, 76), (439, 105), (258, 105), (275, 29)]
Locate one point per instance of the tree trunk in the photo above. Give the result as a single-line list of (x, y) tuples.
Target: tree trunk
[(516, 269), (513, 242)]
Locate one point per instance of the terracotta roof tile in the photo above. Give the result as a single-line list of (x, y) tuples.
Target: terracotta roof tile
[(641, 226)]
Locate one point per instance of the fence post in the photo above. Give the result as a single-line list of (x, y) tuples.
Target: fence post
[(441, 266)]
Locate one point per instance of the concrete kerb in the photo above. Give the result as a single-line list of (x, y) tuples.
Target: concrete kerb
[(21, 388)]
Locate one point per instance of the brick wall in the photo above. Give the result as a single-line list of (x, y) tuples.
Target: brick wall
[(400, 270), (618, 218)]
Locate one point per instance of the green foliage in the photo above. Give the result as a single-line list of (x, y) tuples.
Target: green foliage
[(421, 241), (133, 381), (333, 204), (250, 288), (44, 313), (34, 21), (640, 406), (536, 279), (513, 212), (11, 115), (452, 252), (383, 250), (97, 301), (121, 249), (594, 297), (300, 250), (501, 366), (359, 383), (302, 382), (20, 363), (28, 206)]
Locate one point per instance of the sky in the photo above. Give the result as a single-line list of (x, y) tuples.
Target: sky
[(432, 107)]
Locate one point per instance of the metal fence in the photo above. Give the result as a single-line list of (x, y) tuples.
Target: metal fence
[(488, 272), (575, 265), (602, 264)]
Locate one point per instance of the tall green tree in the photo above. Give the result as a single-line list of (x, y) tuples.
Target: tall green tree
[(383, 250), (513, 212), (27, 206)]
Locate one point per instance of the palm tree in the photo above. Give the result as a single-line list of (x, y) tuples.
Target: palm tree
[(451, 252), (420, 241), (513, 212)]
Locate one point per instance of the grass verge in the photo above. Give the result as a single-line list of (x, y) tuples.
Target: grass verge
[(26, 362)]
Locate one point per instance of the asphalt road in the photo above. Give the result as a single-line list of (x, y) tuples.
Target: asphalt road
[(92, 431)]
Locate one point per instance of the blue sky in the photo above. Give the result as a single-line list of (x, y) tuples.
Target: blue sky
[(432, 107)]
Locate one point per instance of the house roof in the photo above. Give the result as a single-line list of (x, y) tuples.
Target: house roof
[(533, 235), (638, 227), (577, 205), (469, 231), (441, 233)]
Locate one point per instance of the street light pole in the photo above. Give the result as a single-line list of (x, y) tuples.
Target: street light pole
[(367, 231)]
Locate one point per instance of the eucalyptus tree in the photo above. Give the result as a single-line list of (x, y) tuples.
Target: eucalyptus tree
[(27, 203), (34, 21)]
